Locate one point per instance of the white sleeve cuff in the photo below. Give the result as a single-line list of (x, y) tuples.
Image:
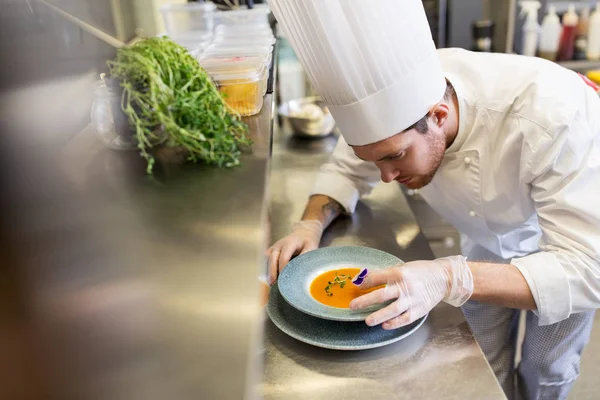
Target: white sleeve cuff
[(549, 285), (338, 187)]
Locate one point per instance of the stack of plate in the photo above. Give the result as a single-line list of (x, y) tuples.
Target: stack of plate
[(293, 310)]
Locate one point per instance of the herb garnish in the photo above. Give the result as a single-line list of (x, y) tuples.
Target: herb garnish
[(338, 280), (164, 87)]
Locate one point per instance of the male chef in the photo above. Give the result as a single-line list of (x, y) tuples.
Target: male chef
[(504, 147)]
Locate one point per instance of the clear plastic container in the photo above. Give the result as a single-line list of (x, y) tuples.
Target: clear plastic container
[(221, 51), (236, 30), (259, 41), (235, 65), (225, 50), (257, 16), (194, 42), (242, 81), (190, 21)]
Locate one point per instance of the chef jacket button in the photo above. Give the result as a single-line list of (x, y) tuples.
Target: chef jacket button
[(472, 213), (467, 160)]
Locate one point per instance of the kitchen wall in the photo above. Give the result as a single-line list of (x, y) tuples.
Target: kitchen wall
[(461, 13)]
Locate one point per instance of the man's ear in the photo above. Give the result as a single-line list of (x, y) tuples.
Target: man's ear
[(439, 114)]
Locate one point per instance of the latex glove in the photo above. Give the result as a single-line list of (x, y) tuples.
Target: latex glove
[(418, 286), (304, 237)]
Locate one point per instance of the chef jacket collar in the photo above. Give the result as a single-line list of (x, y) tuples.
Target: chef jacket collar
[(461, 94)]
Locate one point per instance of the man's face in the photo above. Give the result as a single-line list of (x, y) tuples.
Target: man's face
[(411, 158)]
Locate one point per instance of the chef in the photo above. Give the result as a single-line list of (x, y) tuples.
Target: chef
[(504, 147)]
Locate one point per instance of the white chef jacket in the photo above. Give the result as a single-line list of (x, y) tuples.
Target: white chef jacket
[(521, 178)]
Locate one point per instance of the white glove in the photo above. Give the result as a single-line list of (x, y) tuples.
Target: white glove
[(418, 286), (305, 236)]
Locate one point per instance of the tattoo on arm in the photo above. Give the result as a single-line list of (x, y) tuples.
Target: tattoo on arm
[(331, 210)]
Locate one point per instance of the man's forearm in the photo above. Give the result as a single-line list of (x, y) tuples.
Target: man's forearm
[(322, 208), (502, 285)]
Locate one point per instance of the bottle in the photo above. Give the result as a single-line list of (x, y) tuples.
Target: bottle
[(581, 41), (551, 30), (531, 29), (566, 48), (483, 35), (593, 50)]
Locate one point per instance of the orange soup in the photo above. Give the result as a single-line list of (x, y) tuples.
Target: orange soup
[(331, 292)]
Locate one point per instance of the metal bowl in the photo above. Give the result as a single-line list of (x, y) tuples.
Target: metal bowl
[(316, 127)]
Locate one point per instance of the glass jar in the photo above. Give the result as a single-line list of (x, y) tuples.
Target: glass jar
[(110, 124)]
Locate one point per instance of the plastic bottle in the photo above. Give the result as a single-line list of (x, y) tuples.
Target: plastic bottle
[(581, 41), (593, 51), (551, 30), (566, 48), (531, 29)]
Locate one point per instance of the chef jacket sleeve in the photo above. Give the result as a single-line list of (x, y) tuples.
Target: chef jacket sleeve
[(564, 176), (346, 177)]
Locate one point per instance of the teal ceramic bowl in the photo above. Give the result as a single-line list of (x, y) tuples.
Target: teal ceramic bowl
[(295, 279), (335, 335)]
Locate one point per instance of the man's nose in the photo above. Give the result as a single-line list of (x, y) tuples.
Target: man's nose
[(388, 172)]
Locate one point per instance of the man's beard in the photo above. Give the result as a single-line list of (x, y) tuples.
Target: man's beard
[(437, 148)]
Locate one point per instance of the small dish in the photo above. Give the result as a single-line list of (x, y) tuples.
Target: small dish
[(308, 124), (296, 278), (335, 335)]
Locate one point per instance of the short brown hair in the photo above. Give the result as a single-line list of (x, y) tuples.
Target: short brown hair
[(422, 125)]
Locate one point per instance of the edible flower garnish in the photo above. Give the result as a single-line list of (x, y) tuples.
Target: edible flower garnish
[(358, 279)]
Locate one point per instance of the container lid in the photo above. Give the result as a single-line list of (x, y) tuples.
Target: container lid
[(236, 68), (195, 6), (244, 33), (191, 41), (244, 28), (244, 41), (232, 50), (247, 75), (205, 55), (245, 13), (223, 64)]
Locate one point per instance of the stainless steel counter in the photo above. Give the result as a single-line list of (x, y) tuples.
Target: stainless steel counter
[(440, 361), (127, 287)]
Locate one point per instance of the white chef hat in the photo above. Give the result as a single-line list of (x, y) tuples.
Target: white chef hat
[(372, 61)]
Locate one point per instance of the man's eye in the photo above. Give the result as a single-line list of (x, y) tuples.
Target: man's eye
[(399, 156)]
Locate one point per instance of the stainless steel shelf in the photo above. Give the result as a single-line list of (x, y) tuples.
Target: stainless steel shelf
[(583, 65)]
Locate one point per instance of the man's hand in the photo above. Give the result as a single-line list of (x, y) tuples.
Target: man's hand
[(418, 286), (305, 236)]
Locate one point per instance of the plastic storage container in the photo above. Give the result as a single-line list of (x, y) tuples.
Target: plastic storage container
[(225, 51), (189, 22), (235, 65), (236, 30), (243, 81), (194, 42), (257, 41), (256, 16)]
